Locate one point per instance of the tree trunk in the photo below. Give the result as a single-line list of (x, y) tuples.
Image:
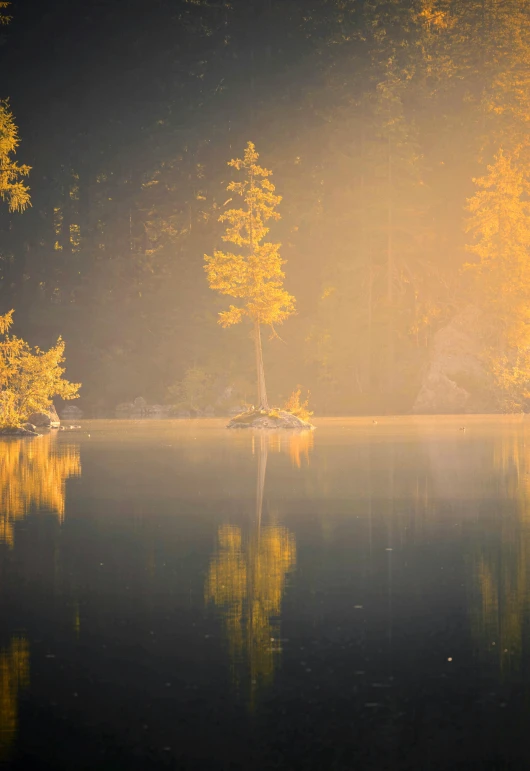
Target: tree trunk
[(263, 403), (390, 280)]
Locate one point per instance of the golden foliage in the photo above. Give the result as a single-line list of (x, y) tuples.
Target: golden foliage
[(256, 276), (300, 409), (33, 475), (29, 378), (499, 222), (12, 188), (4, 18), (14, 675)]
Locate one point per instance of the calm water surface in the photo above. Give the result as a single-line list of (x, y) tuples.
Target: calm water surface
[(175, 595)]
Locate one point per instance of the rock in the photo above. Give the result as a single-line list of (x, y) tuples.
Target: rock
[(48, 419), (29, 427), (455, 380), (71, 411), (18, 431), (271, 419)]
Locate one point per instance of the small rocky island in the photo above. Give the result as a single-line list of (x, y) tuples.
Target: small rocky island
[(274, 418)]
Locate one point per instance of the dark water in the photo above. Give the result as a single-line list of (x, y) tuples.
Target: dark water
[(175, 595)]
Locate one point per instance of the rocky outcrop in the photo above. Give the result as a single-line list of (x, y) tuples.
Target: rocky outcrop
[(18, 431), (48, 419), (269, 419), (455, 380)]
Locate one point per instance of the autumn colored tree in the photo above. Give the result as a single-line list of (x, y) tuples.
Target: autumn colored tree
[(12, 189), (500, 224), (4, 18), (254, 275), (29, 378)]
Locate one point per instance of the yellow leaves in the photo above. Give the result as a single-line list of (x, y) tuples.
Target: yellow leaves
[(232, 316), (500, 224), (5, 322), (255, 275), (328, 291), (435, 17), (4, 18), (29, 379), (12, 189)]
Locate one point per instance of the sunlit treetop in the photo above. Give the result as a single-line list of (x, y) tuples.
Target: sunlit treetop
[(12, 189), (255, 274), (500, 223), (4, 18)]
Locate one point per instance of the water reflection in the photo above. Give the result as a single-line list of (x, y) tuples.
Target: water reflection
[(502, 564), (33, 475), (247, 577), (14, 675)]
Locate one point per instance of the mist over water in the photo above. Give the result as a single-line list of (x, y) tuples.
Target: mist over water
[(174, 595)]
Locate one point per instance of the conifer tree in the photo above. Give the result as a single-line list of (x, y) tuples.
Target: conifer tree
[(4, 18), (254, 275), (12, 189), (500, 224)]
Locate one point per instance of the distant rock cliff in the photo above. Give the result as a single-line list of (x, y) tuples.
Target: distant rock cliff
[(455, 380)]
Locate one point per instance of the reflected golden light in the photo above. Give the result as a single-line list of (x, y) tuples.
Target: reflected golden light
[(246, 582), (14, 675), (300, 446), (503, 571), (297, 444), (33, 474)]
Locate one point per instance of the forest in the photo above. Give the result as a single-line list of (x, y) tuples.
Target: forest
[(397, 133)]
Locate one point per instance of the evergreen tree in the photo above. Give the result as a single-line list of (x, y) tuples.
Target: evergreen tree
[(500, 225), (256, 275)]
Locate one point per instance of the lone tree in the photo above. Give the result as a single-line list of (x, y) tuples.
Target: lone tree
[(254, 275)]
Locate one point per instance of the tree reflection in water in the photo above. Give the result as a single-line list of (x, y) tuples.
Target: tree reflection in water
[(247, 576), (502, 566), (14, 675), (33, 474)]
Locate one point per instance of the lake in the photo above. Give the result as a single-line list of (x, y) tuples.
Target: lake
[(174, 595)]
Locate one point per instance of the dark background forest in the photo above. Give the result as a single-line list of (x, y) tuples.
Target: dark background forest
[(379, 121)]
